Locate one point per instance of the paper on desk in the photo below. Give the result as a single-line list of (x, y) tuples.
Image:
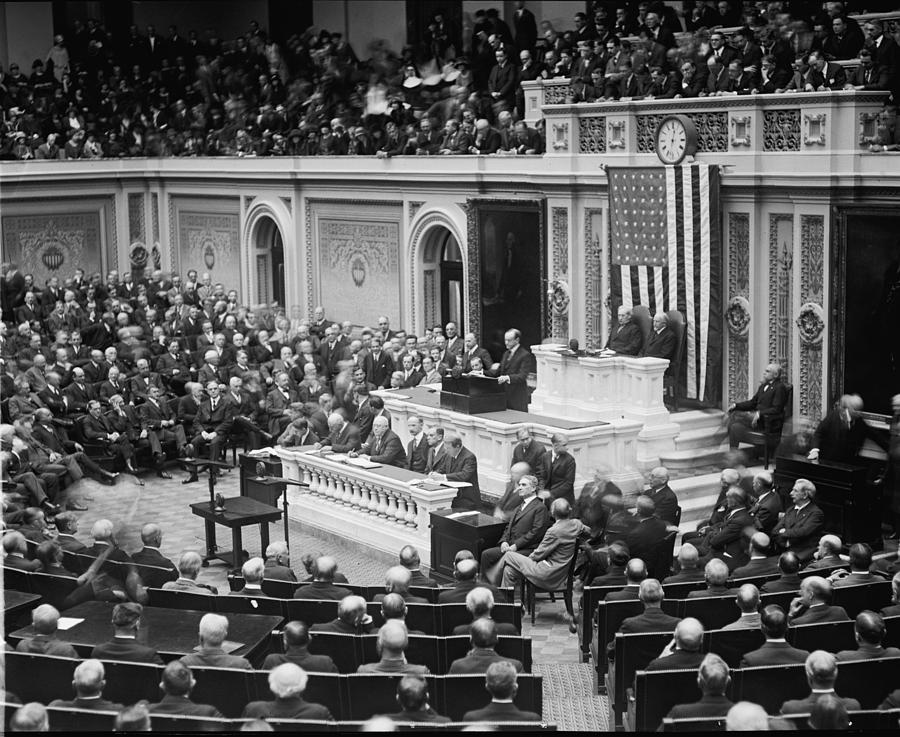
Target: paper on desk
[(259, 452), (363, 463), (456, 484), (67, 623)]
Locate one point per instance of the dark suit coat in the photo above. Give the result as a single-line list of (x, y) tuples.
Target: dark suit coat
[(533, 455), (730, 537), (707, 706), (821, 613), (626, 339), (461, 589), (802, 529), (660, 345), (765, 512), (653, 619), (152, 415), (465, 359), (526, 528), (48, 436), (107, 390), (218, 421), (805, 706), (388, 449), (710, 592), (774, 653), (149, 557), (517, 367), (478, 660), (502, 712), (276, 572), (100, 704), (769, 401), (332, 356), (299, 655), (54, 401), (378, 371), (629, 592), (417, 455), (46, 645), (464, 468), (829, 561), (321, 590), (679, 659), (79, 396), (187, 411), (644, 539), (291, 708), (437, 461), (417, 578), (559, 475), (666, 503), (787, 582), (836, 443), (685, 576), (184, 706), (125, 649), (866, 651), (344, 439), (880, 78), (758, 567)]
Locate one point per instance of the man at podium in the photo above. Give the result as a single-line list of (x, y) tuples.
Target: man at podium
[(516, 364)]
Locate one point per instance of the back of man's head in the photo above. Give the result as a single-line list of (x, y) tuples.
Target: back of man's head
[(254, 570), (484, 633), (688, 557), (30, 717), (635, 571), (325, 568), (713, 675), (817, 588), (869, 628), (759, 543), (821, 669), (689, 635), (392, 637), (88, 678), (176, 679), (646, 507), (651, 593), (466, 570), (213, 630), (296, 634), (189, 565), (748, 598), (45, 619), (500, 680), (151, 534), (830, 543), (716, 572), (746, 716), (480, 601), (860, 557), (788, 563), (396, 580), (126, 615), (773, 622), (561, 509), (287, 680), (393, 606), (134, 718), (412, 693), (829, 713), (618, 554), (351, 609), (409, 557)]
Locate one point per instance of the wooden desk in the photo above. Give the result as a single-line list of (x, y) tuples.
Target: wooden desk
[(17, 602), (248, 463), (471, 531), (239, 512), (172, 632)]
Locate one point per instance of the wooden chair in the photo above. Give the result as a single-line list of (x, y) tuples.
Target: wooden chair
[(345, 650), (80, 720), (53, 589), (228, 689), (181, 600), (462, 693), (128, 683), (731, 645), (591, 596), (633, 653), (531, 590), (368, 694), (311, 611), (655, 693), (16, 579), (40, 677), (870, 682), (854, 599), (180, 724), (830, 636), (421, 650), (327, 689), (231, 604), (770, 685), (715, 612), (704, 724)]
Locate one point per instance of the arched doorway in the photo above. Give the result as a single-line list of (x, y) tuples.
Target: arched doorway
[(443, 279), (269, 252)]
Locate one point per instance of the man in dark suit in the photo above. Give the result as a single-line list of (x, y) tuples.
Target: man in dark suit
[(662, 495), (378, 364), (88, 683), (287, 682), (162, 428), (384, 445), (812, 606), (126, 619), (558, 471), (149, 555), (764, 411), (715, 572), (662, 342), (472, 350), (789, 565), (828, 554), (870, 632), (252, 571), (689, 569), (615, 575), (322, 586), (515, 366), (760, 562), (437, 455), (278, 563), (97, 427), (465, 571), (528, 450), (684, 651), (45, 623), (279, 401), (653, 618), (775, 650), (500, 682), (840, 436), (295, 645), (484, 643), (802, 524), (525, 528), (712, 679), (860, 568), (461, 466), (351, 619), (821, 674), (626, 338), (176, 684), (635, 575), (643, 540), (342, 435), (729, 541), (333, 351), (397, 581), (417, 449), (409, 559), (525, 27), (767, 507), (412, 696), (211, 426), (480, 603)]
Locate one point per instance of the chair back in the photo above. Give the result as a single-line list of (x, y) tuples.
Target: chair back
[(40, 677), (80, 720), (701, 724), (368, 693), (892, 631), (171, 599), (53, 589), (633, 653), (591, 596), (873, 596), (181, 724), (661, 565), (421, 650), (462, 693), (656, 692), (714, 611), (429, 593), (770, 686), (236, 604), (731, 645), (870, 682), (327, 689), (676, 591), (830, 636), (228, 689), (311, 611), (344, 649), (128, 683), (16, 579), (640, 316)]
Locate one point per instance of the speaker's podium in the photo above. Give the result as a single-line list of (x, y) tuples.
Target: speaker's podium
[(453, 530), (472, 394)]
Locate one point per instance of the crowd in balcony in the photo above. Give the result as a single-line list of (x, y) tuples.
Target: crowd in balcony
[(98, 96)]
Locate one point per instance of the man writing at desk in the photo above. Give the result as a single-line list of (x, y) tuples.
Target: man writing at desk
[(462, 466)]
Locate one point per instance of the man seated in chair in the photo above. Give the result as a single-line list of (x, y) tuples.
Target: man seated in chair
[(213, 631), (252, 571), (465, 571), (775, 650), (352, 618), (789, 580), (30, 717), (526, 525), (176, 685), (828, 554), (713, 678), (500, 682), (278, 562), (747, 600), (162, 428), (410, 560), (860, 563), (870, 632), (763, 412), (287, 683), (126, 621), (45, 623), (211, 426), (393, 607), (480, 603), (322, 586), (189, 565), (295, 643), (483, 652), (412, 697), (149, 555), (760, 563), (662, 341), (812, 606), (685, 649), (626, 338), (393, 640), (397, 581), (821, 674), (548, 565), (689, 570), (88, 682)]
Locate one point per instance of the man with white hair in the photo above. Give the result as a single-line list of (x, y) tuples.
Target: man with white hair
[(480, 603), (287, 682), (213, 631), (383, 446), (746, 716), (393, 639), (352, 618), (278, 562), (209, 371), (278, 404), (252, 571), (764, 411), (88, 683), (189, 565), (662, 342), (45, 623), (31, 717), (149, 555), (802, 524), (663, 497), (342, 437), (841, 434), (821, 674), (625, 339), (103, 532)]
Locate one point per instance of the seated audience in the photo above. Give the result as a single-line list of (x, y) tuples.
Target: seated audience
[(716, 574), (15, 549), (860, 565), (397, 581), (748, 602), (322, 586), (149, 555), (767, 507), (252, 571), (176, 685), (189, 565), (500, 682), (126, 621), (635, 573), (760, 563), (776, 650), (352, 618), (812, 606), (789, 565), (484, 650), (465, 571), (712, 680), (392, 642), (295, 641), (689, 566), (88, 683), (287, 682), (480, 603), (684, 651), (821, 674), (278, 562), (409, 559), (45, 621), (802, 524), (213, 631), (412, 697), (869, 632)]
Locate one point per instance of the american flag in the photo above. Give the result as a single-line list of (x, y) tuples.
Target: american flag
[(666, 254)]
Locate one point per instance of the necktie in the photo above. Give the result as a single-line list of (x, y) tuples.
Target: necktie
[(213, 404)]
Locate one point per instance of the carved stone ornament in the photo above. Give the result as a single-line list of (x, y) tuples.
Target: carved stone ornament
[(558, 297), (737, 315), (560, 136), (811, 323), (740, 130), (814, 126)]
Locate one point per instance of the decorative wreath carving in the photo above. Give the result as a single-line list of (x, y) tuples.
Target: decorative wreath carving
[(738, 316), (559, 297), (811, 323)]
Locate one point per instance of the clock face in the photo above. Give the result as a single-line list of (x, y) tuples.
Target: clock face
[(671, 141)]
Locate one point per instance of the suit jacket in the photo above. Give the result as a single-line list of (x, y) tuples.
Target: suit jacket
[(436, 459), (707, 706), (666, 503), (139, 386), (769, 401), (478, 660), (107, 390), (626, 339), (378, 371), (184, 706), (461, 589), (644, 539), (79, 396), (730, 537), (680, 659), (866, 651), (276, 572), (757, 567), (559, 475), (765, 512), (856, 579), (321, 590), (465, 359), (216, 420), (661, 344), (526, 527), (123, 648), (500, 712), (152, 415), (417, 455), (276, 403), (152, 557), (555, 552), (100, 704), (344, 439), (54, 401), (46, 645), (805, 706), (517, 366), (787, 582), (414, 379), (290, 708), (774, 653), (877, 77), (802, 529), (838, 443), (215, 658), (533, 455), (629, 592), (464, 468), (388, 449), (821, 613), (300, 655)]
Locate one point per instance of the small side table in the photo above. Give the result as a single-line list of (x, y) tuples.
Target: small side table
[(239, 511)]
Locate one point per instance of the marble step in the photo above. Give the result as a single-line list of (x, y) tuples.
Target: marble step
[(708, 453)]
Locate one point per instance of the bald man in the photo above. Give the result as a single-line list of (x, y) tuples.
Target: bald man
[(684, 651), (150, 555), (763, 412), (88, 682), (869, 632), (821, 674)]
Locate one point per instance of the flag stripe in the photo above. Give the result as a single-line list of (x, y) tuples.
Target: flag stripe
[(660, 303), (642, 285), (704, 272), (626, 286), (672, 233), (685, 202)]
